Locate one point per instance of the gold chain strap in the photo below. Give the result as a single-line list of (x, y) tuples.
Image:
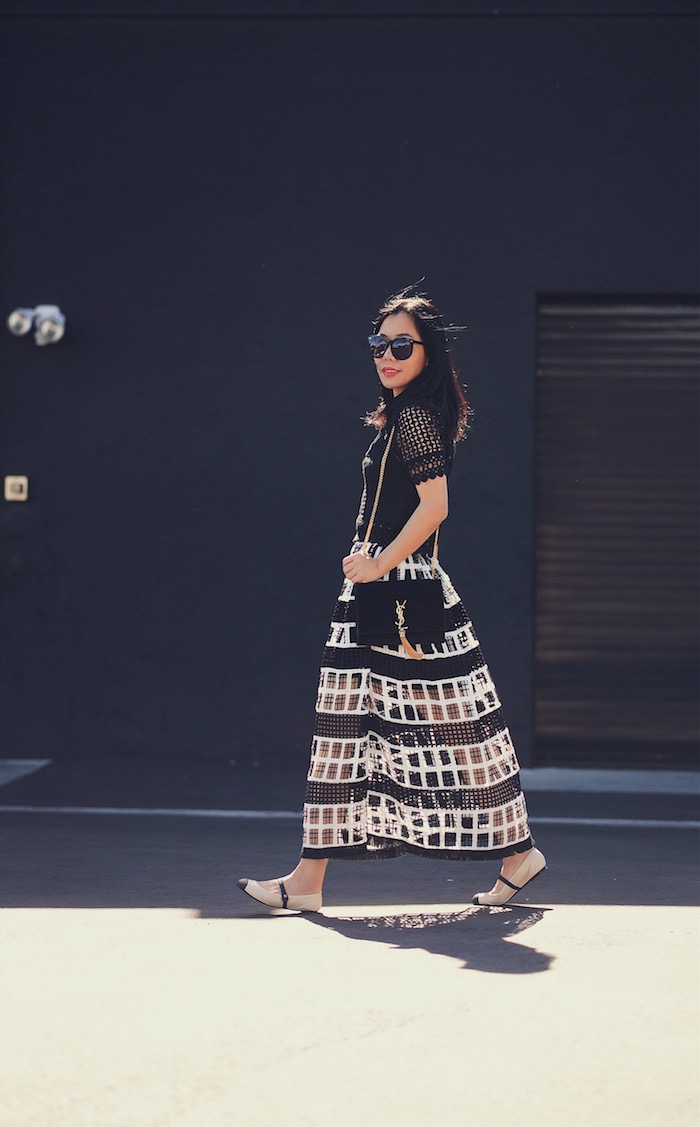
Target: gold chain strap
[(382, 467), (435, 552), (370, 523)]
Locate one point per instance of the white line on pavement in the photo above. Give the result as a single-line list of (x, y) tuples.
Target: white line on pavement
[(156, 812), (281, 815), (625, 823)]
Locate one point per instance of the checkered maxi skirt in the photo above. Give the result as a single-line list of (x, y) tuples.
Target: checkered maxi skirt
[(411, 756)]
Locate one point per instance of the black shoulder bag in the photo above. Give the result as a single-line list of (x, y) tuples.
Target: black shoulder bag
[(387, 610)]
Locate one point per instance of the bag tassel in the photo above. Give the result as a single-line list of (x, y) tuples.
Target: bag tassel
[(401, 624), (409, 648)]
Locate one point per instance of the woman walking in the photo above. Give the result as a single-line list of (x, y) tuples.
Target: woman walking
[(410, 751)]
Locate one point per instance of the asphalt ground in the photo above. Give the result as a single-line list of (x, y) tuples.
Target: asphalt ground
[(140, 987), (219, 785)]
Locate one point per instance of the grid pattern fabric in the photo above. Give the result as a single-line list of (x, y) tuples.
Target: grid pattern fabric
[(411, 756)]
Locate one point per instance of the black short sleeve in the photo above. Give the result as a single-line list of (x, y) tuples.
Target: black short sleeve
[(419, 443)]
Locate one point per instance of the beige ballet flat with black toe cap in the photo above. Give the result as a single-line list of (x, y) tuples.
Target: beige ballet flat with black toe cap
[(531, 867), (280, 898)]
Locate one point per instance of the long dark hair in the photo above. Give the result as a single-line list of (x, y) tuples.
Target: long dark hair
[(437, 385)]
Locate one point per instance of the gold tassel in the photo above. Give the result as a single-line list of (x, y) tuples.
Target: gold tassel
[(401, 627), (409, 648)]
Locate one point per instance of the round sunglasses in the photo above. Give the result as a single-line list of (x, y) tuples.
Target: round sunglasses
[(401, 346)]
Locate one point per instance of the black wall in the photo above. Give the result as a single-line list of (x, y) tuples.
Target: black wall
[(219, 204)]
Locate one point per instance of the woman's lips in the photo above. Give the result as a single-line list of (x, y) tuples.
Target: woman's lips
[(389, 372)]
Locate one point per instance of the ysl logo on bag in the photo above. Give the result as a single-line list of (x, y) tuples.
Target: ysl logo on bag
[(402, 628)]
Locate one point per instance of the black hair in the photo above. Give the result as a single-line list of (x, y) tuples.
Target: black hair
[(437, 386)]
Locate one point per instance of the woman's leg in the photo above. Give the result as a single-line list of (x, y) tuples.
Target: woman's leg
[(508, 867), (304, 880)]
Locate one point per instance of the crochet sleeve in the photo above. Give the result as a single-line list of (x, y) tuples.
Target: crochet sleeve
[(419, 443)]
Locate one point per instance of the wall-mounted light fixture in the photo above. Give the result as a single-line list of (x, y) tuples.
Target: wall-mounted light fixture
[(48, 322)]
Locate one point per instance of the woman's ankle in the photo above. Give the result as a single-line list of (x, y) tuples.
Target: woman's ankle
[(513, 861), (307, 878), (311, 872)]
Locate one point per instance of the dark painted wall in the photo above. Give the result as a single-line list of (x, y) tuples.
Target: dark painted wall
[(219, 205)]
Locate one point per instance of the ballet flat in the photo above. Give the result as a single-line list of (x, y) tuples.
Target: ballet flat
[(280, 898), (531, 867)]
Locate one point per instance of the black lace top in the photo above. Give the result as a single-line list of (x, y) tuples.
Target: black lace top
[(417, 454)]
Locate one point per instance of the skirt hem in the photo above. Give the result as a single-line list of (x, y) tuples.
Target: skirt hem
[(392, 849)]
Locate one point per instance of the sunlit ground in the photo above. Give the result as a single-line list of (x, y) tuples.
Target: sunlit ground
[(437, 1015)]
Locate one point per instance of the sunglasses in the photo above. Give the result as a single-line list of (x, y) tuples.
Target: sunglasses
[(401, 347)]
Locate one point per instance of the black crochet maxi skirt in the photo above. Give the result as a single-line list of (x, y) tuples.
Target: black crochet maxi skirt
[(411, 756)]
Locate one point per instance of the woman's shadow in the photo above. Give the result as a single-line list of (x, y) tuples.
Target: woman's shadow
[(474, 935)]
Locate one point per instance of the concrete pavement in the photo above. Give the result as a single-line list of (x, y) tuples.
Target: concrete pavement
[(139, 987)]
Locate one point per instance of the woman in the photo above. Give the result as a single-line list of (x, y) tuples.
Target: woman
[(408, 756)]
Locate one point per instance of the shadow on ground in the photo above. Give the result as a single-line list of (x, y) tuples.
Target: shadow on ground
[(480, 938), (474, 935)]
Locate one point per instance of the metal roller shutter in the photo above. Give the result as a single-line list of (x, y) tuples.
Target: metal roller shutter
[(617, 545)]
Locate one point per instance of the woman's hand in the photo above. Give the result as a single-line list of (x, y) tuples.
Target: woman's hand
[(359, 568)]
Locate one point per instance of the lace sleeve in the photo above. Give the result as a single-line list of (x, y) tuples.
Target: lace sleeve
[(419, 443)]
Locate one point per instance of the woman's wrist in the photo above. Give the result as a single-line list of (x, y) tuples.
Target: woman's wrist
[(393, 554), (381, 570)]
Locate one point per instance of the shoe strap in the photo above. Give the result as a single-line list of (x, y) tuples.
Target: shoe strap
[(515, 887), (283, 894)]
